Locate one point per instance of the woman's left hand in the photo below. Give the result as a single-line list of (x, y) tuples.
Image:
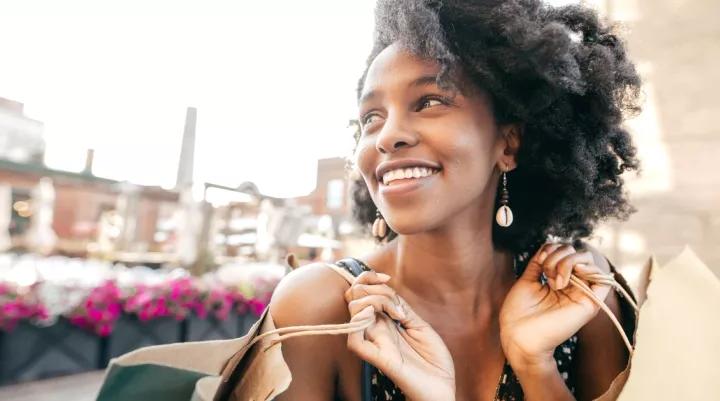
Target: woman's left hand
[(536, 318)]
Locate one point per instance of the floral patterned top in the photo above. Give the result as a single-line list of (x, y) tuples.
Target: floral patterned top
[(508, 389)]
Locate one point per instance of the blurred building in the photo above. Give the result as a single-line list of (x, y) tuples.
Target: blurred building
[(21, 138), (80, 201), (331, 195), (330, 226)]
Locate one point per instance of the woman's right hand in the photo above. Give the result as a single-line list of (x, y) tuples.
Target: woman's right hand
[(399, 343)]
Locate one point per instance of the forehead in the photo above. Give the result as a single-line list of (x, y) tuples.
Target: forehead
[(397, 66)]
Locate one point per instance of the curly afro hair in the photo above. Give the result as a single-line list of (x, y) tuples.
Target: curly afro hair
[(559, 72)]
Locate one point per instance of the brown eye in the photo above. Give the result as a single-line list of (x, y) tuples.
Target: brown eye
[(369, 119), (430, 101)]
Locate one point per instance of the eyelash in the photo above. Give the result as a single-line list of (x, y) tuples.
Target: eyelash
[(443, 100)]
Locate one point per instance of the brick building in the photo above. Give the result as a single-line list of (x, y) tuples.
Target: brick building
[(80, 199)]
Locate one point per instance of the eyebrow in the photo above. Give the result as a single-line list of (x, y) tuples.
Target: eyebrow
[(424, 80)]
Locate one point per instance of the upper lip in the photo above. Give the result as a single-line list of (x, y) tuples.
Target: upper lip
[(384, 167)]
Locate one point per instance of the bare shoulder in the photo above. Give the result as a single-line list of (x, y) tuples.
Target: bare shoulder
[(313, 294), (310, 294)]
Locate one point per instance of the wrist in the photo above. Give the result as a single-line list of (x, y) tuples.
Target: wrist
[(536, 371), (525, 358), (540, 365), (433, 393), (541, 380)]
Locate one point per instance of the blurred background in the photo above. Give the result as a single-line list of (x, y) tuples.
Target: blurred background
[(158, 161)]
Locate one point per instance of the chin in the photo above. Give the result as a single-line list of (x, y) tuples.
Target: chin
[(410, 224)]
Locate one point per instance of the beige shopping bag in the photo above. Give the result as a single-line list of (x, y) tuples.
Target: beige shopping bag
[(677, 355), (193, 370)]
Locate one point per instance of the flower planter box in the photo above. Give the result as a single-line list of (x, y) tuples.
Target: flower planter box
[(211, 328), (30, 352), (245, 321), (130, 334)]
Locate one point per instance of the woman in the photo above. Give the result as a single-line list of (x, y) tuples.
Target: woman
[(466, 107)]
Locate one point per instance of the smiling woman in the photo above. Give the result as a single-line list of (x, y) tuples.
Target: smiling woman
[(484, 128), (557, 73)]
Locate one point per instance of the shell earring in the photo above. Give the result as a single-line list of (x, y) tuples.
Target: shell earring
[(379, 228), (504, 215)]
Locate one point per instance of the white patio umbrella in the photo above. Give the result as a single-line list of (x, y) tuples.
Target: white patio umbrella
[(5, 217), (189, 224), (41, 237)]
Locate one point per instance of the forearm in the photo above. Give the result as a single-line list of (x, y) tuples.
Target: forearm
[(543, 383)]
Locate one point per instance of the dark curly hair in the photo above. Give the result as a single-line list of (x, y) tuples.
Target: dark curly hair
[(561, 73)]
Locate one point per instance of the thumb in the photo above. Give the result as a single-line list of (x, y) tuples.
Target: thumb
[(600, 290)]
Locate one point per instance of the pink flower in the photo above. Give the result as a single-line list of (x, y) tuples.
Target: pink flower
[(18, 305), (104, 330), (100, 310), (257, 306)]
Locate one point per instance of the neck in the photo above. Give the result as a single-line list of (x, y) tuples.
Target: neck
[(454, 268)]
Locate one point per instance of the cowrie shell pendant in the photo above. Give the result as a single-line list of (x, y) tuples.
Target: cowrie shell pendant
[(504, 216)]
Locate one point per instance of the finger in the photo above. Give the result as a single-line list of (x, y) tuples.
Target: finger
[(357, 291), (549, 266), (565, 267), (384, 333), (372, 277), (380, 303), (356, 340), (534, 267), (600, 290)]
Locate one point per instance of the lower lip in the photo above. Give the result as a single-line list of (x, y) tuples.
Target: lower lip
[(404, 186)]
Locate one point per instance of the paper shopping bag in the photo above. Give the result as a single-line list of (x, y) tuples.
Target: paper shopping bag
[(677, 355), (192, 371)]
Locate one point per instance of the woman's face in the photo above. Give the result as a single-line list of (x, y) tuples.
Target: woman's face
[(427, 155)]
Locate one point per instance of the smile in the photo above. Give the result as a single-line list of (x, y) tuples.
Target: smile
[(401, 175)]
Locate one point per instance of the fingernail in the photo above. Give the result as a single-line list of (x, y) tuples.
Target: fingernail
[(542, 257), (400, 311), (383, 276)]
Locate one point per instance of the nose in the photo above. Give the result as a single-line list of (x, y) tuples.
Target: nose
[(395, 134)]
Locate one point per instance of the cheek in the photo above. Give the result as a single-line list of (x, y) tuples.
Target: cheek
[(467, 150), (365, 155)]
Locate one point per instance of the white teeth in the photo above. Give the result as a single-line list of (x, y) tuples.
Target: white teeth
[(411, 172)]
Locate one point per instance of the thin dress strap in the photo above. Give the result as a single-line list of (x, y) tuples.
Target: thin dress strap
[(356, 267), (353, 266)]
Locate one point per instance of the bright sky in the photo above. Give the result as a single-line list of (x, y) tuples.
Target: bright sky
[(273, 82)]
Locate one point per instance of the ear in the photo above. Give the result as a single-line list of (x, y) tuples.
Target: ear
[(510, 140)]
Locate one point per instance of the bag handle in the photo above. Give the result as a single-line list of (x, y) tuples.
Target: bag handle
[(310, 330), (576, 279)]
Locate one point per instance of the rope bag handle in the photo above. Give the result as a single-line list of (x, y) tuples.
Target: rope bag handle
[(346, 328)]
